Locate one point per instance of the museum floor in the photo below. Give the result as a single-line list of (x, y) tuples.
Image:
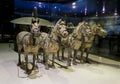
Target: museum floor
[(100, 71)]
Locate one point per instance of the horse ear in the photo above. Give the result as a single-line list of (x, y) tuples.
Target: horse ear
[(59, 21), (32, 21), (64, 21)]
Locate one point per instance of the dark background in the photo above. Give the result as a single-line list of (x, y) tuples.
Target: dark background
[(10, 10)]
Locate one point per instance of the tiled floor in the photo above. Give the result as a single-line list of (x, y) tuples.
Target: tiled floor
[(100, 71)]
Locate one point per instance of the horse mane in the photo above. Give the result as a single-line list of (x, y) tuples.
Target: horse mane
[(75, 31), (59, 22), (95, 24), (93, 27)]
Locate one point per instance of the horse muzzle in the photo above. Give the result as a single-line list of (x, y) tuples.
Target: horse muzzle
[(65, 34)]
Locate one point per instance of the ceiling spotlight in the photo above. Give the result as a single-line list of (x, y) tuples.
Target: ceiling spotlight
[(73, 7), (55, 7), (73, 3), (103, 9)]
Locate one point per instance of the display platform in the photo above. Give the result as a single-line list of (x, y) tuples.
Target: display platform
[(100, 71)]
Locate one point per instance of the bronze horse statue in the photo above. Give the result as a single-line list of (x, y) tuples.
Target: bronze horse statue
[(96, 29), (29, 42), (50, 42), (74, 41)]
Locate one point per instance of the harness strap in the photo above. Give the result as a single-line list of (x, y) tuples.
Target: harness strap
[(34, 40)]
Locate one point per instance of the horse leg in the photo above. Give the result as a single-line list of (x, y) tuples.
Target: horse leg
[(34, 56), (37, 57), (75, 56), (87, 53), (26, 63), (63, 53), (53, 60), (58, 56), (81, 60), (19, 59), (44, 57), (19, 56), (69, 56), (46, 62)]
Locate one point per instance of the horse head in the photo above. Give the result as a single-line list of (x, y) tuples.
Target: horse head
[(98, 30), (82, 29), (61, 28), (35, 27)]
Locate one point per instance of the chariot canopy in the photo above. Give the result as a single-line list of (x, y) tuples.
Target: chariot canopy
[(27, 21)]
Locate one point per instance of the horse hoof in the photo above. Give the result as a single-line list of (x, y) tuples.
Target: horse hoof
[(29, 72), (59, 59), (53, 66), (47, 68), (18, 64), (43, 61), (74, 63), (87, 61), (38, 61), (69, 64), (63, 58), (82, 61)]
